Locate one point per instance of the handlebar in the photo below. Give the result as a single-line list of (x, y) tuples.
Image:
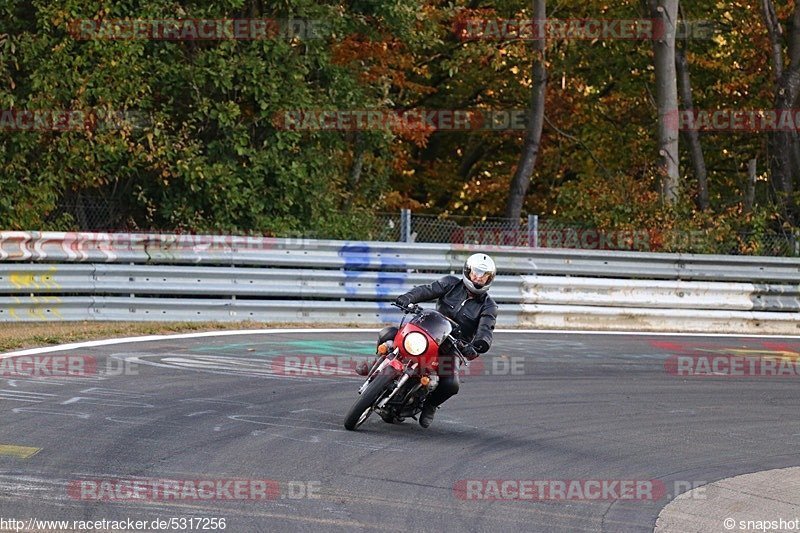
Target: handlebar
[(412, 308), (416, 309)]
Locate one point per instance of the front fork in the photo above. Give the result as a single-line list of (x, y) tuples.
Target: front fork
[(409, 371), (385, 361), (379, 365)]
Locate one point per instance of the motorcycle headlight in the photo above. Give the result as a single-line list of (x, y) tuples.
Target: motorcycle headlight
[(415, 343)]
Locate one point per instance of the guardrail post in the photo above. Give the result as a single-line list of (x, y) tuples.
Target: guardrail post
[(533, 231), (405, 225)]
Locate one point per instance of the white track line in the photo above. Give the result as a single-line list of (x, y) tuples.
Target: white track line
[(152, 338), (648, 333), (223, 333)]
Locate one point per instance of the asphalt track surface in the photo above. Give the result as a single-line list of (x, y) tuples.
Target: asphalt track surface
[(575, 407)]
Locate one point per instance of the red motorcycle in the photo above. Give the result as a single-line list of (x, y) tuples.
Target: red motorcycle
[(407, 369)]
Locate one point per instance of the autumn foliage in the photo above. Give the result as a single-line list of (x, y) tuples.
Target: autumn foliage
[(184, 135)]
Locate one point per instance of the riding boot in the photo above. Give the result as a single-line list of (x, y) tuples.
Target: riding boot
[(428, 411)]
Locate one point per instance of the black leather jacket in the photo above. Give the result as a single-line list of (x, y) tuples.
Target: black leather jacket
[(476, 315)]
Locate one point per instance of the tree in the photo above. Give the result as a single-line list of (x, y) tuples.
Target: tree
[(692, 135), (533, 137), (784, 149), (665, 13), (208, 152)]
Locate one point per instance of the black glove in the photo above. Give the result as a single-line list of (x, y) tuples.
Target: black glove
[(403, 301), (468, 351), (481, 346)]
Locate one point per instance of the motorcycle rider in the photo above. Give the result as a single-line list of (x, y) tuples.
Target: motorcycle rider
[(465, 301)]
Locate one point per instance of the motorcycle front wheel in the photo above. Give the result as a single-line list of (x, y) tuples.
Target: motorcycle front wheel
[(365, 404)]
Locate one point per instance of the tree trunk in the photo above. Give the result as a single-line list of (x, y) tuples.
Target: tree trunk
[(472, 154), (775, 33), (783, 144), (692, 135), (666, 11), (533, 137), (750, 187)]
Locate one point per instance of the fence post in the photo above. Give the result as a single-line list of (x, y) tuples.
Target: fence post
[(796, 239), (533, 231), (405, 225)]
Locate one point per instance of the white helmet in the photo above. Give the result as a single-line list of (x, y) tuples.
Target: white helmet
[(479, 266)]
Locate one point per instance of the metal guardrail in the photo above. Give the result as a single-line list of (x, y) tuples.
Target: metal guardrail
[(86, 276), (259, 251)]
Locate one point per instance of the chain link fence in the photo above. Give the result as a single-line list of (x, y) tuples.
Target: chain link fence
[(94, 214), (85, 213), (548, 233)]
